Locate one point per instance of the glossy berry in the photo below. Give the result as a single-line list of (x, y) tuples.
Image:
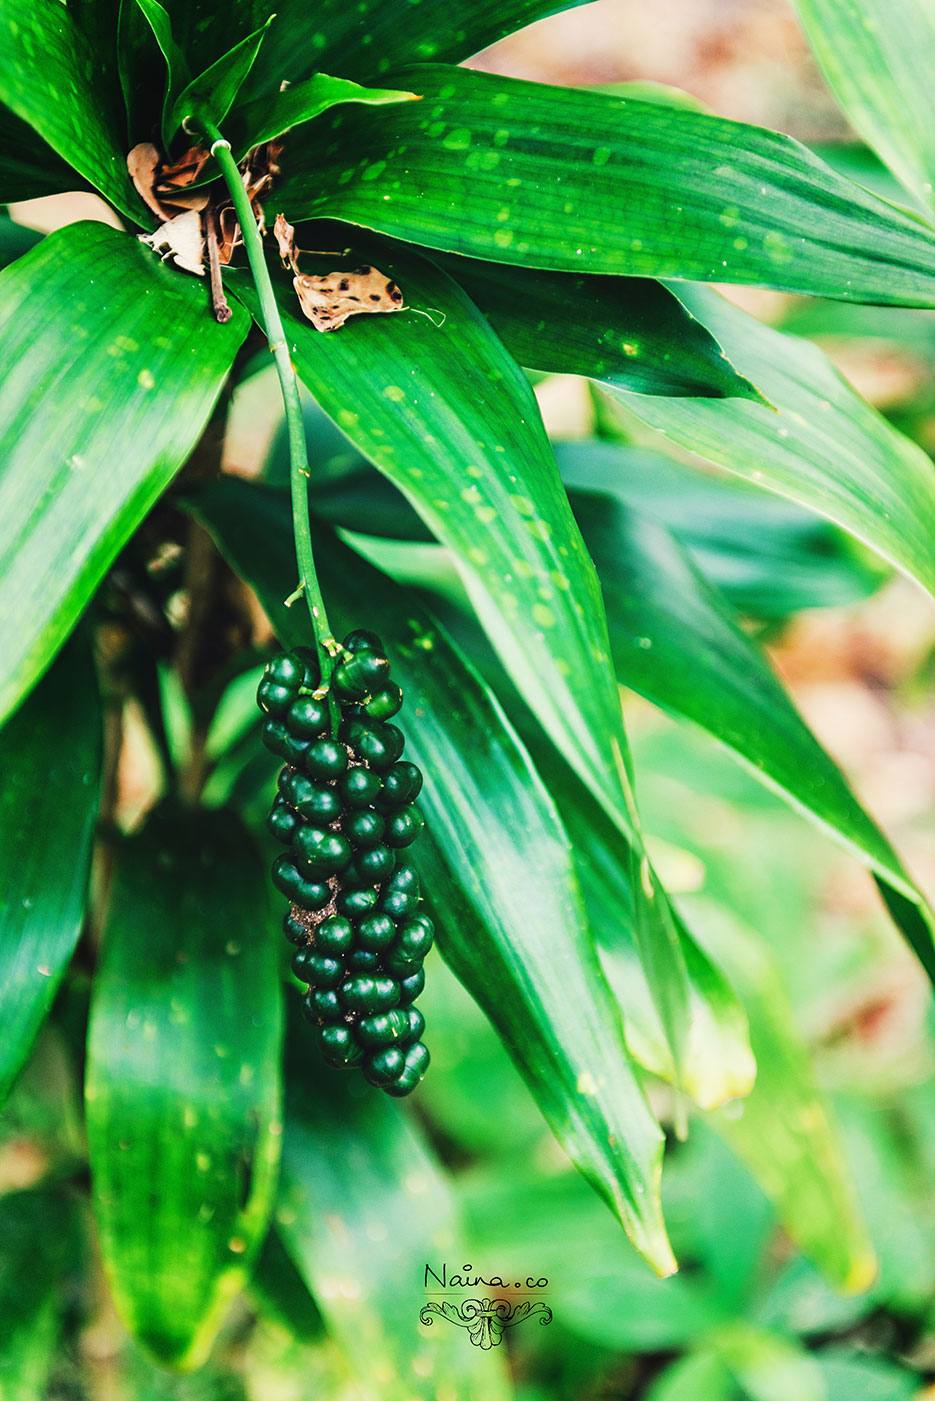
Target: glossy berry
[(362, 641), (334, 936), (416, 1024), (339, 1046), (287, 878), (358, 787), (400, 904), (295, 931), (282, 822), (401, 785), (322, 1004), (275, 700), (325, 758), (323, 972), (318, 852), (363, 961), (417, 1062), (384, 1066), (356, 903), (416, 938), (278, 739), (364, 993), (386, 703), (403, 827), (375, 864), (307, 718), (383, 1029), (363, 827), (376, 932), (404, 878), (285, 670), (410, 988)]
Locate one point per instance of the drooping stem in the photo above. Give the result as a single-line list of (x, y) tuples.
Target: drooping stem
[(325, 644)]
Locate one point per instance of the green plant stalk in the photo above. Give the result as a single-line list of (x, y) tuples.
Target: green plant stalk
[(325, 643)]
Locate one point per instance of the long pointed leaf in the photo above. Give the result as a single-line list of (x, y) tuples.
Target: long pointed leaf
[(580, 181), (364, 40), (823, 446), (96, 339), (210, 96), (300, 102), (47, 69), (183, 1081), (512, 923), (676, 642), (632, 328), (50, 755), (461, 436), (877, 56)]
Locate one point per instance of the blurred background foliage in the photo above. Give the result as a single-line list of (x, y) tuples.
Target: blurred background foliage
[(840, 1018)]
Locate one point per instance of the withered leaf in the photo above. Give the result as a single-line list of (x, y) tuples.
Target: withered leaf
[(180, 239), (329, 301), (142, 163), (284, 234)]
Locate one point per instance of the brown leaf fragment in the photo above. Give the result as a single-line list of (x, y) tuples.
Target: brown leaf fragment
[(184, 171), (142, 163), (229, 235), (329, 301), (284, 234), (180, 239)]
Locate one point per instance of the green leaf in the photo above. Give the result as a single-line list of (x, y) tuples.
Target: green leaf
[(718, 1061), (767, 1366), (853, 1375), (97, 337), (632, 329), (15, 240), (782, 1129), (676, 642), (577, 181), (460, 434), (876, 56), (50, 758), (29, 168), (39, 1243), (177, 68), (363, 1209), (507, 922), (183, 1080), (210, 96), (267, 117), (768, 557), (823, 446), (696, 1374), (47, 77), (364, 40)]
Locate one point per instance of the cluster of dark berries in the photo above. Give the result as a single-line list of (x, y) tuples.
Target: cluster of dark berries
[(345, 812)]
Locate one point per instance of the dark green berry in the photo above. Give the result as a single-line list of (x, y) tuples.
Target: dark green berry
[(338, 1045), (274, 700), (325, 758), (320, 853), (363, 961), (400, 965), (401, 785), (356, 903), (376, 932), (366, 994), (318, 804), (321, 971), (375, 864), (410, 988), (307, 718), (358, 787), (383, 1029), (278, 739), (384, 1066), (363, 827), (417, 1063), (307, 658), (416, 1025), (334, 936), (385, 703), (300, 963), (287, 878), (403, 827), (282, 821), (362, 641), (399, 904), (417, 936), (322, 1004), (295, 931), (360, 675), (405, 878), (285, 670)]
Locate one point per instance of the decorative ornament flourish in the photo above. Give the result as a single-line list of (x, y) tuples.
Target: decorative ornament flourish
[(485, 1319)]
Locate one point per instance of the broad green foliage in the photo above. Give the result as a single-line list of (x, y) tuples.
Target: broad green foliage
[(626, 982)]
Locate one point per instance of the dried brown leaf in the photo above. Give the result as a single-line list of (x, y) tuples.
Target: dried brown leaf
[(329, 301)]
